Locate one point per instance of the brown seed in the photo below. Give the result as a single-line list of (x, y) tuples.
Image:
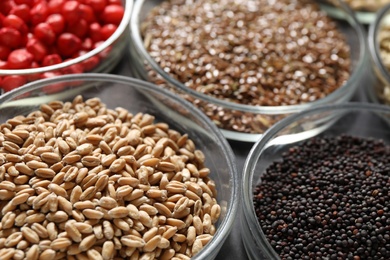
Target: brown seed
[(87, 243), (132, 241), (92, 214), (30, 235), (108, 250), (48, 254), (60, 243), (118, 212)]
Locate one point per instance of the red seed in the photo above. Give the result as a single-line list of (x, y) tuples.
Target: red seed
[(113, 14), (87, 13), (45, 33), (13, 21), (22, 11), (80, 30), (55, 6), (4, 52), (70, 11), (37, 49), (57, 23), (107, 30), (6, 6), (68, 44), (10, 37), (95, 32), (20, 59), (51, 59), (97, 5), (11, 82), (39, 13)]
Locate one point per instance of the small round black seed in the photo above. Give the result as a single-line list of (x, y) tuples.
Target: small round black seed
[(334, 209)]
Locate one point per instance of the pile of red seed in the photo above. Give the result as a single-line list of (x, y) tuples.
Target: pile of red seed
[(39, 33)]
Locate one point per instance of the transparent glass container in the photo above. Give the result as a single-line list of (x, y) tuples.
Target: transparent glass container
[(108, 54), (139, 96), (358, 119), (379, 92), (260, 117)]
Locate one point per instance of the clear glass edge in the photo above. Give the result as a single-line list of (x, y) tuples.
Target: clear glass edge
[(350, 86), (227, 223), (124, 24), (249, 216)]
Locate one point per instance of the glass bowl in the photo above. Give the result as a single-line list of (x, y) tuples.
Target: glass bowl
[(380, 92), (139, 96), (238, 121), (365, 120), (103, 58)]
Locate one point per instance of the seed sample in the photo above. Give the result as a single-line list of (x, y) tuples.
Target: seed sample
[(249, 52), (81, 181), (328, 198)]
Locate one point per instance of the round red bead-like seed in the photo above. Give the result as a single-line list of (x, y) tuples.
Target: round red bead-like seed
[(10, 37), (6, 6), (68, 44), (113, 14), (4, 52), (87, 13), (107, 30), (13, 21), (55, 6), (70, 11), (80, 29), (39, 12), (97, 5), (20, 59), (11, 82), (22, 11), (95, 32), (57, 23), (37, 49), (45, 33), (51, 59)]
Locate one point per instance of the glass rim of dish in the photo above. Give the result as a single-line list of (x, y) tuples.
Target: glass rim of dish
[(257, 149), (128, 7), (373, 44), (226, 224), (339, 92)]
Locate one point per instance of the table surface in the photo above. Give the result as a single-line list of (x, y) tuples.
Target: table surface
[(233, 248)]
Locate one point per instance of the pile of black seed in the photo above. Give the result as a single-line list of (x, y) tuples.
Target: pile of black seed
[(328, 198)]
